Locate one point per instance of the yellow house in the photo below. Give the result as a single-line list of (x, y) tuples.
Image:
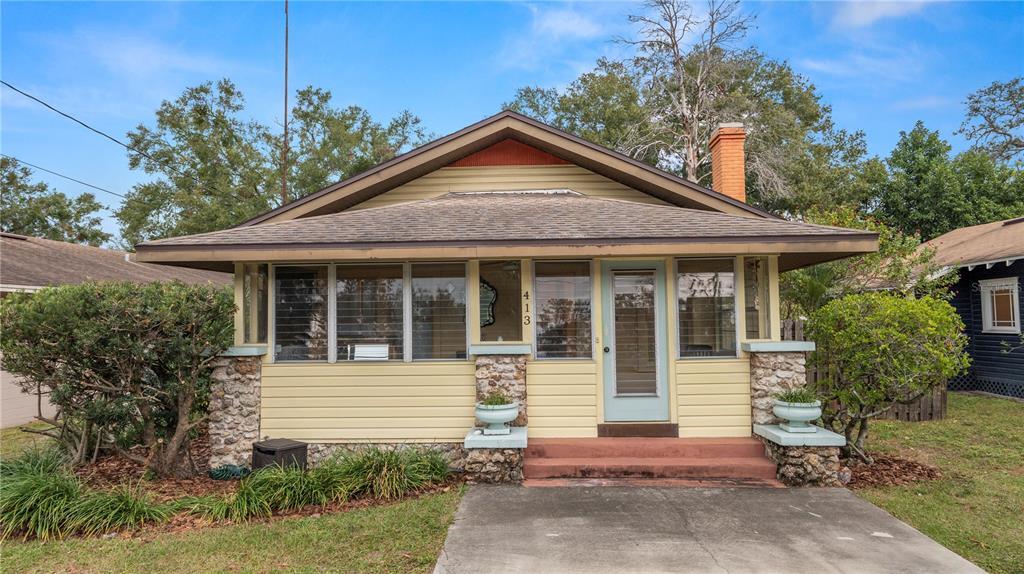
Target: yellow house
[(611, 298)]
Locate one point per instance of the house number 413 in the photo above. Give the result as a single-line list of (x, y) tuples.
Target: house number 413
[(526, 308)]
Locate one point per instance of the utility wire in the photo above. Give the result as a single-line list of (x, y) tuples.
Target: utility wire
[(64, 176), (102, 133)]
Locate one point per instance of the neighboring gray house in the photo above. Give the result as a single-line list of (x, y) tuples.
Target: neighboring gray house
[(28, 264)]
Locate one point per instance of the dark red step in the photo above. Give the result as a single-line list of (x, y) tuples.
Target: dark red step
[(650, 467), (645, 448)]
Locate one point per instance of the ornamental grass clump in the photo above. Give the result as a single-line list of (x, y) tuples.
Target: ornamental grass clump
[(389, 474), (801, 395), (41, 498)]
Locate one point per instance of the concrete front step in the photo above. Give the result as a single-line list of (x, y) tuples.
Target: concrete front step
[(645, 448), (735, 468)]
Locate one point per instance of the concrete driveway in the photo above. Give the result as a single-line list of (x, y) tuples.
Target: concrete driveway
[(511, 529)]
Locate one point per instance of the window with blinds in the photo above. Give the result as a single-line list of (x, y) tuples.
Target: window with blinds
[(369, 312), (438, 311), (707, 308), (562, 297), (300, 313)]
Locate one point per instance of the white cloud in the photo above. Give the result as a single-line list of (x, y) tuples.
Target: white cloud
[(131, 55), (866, 64), (860, 14), (552, 32)]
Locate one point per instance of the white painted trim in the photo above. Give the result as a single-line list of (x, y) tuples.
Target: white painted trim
[(12, 288), (985, 288)]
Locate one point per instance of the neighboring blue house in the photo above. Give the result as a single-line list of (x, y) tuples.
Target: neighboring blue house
[(989, 297)]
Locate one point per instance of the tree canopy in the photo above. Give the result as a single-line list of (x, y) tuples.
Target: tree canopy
[(28, 208), (215, 168), (928, 192), (995, 119)]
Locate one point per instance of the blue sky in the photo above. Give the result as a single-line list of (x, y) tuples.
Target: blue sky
[(881, 66)]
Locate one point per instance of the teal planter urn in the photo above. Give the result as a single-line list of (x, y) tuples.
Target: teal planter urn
[(497, 417), (797, 415)]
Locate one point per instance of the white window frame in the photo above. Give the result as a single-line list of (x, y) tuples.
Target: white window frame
[(985, 288), (737, 300)]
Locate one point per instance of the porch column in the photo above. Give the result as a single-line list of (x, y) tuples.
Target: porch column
[(774, 367), (234, 407)]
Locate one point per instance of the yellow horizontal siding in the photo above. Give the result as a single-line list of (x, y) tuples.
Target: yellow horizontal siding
[(713, 397), (562, 398), (401, 402), (508, 178)]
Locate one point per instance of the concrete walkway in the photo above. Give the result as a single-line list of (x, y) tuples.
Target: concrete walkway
[(511, 529)]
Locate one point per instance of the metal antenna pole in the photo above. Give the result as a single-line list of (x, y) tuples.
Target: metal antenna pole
[(284, 151)]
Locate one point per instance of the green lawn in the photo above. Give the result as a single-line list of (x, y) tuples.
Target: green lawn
[(402, 537), (14, 441), (976, 509)]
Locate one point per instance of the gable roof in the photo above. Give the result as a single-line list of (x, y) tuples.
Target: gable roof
[(28, 263), (502, 126), (980, 244), (554, 222)]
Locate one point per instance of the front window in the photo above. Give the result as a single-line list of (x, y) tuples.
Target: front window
[(1000, 305), (755, 296), (369, 312), (438, 311), (300, 313), (707, 308), (562, 296), (254, 303), (501, 301)]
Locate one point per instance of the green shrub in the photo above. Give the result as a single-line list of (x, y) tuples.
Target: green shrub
[(876, 350), (801, 395), (38, 504), (124, 507)]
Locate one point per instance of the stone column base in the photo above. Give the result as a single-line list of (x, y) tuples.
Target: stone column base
[(234, 409), (805, 465), (494, 465)]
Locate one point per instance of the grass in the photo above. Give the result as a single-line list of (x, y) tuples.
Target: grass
[(404, 537), (976, 508), (14, 441)]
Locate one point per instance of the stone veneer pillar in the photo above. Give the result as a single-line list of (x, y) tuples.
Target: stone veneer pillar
[(806, 465), (234, 410), (772, 373), (506, 373)]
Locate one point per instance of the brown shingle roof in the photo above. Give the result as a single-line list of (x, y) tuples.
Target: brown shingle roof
[(555, 216), (36, 262), (988, 242)]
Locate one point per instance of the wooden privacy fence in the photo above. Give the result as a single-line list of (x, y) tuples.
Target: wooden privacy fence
[(930, 407)]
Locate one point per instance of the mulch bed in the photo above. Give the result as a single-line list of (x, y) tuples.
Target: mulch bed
[(114, 470), (891, 471)]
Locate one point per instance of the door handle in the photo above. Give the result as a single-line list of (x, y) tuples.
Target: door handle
[(607, 350)]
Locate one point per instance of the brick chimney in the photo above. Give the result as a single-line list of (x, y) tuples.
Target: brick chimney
[(727, 173)]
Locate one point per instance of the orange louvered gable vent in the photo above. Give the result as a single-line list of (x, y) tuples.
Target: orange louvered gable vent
[(508, 152)]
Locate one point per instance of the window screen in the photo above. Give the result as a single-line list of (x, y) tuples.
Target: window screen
[(562, 296), (439, 311), (300, 313), (707, 308), (369, 312), (755, 296), (254, 303)]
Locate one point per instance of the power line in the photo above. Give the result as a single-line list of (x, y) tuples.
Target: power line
[(64, 176), (103, 133)]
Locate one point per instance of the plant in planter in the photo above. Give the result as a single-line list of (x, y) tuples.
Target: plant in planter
[(798, 407), (495, 410)]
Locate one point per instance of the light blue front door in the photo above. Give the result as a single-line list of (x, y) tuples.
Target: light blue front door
[(634, 341)]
